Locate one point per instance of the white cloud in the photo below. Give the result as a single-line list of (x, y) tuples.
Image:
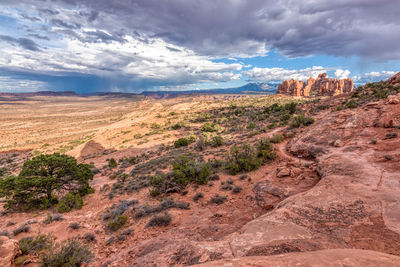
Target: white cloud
[(11, 85), (134, 57), (342, 74), (280, 74), (373, 76)]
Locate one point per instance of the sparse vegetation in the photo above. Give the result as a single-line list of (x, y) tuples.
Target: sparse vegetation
[(24, 228), (146, 210), (53, 218), (300, 121), (67, 253), (181, 142), (217, 199), (197, 196), (160, 220), (35, 245), (247, 158), (112, 163), (116, 223)]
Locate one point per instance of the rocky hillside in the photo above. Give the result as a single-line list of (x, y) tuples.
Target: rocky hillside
[(322, 86), (320, 191)]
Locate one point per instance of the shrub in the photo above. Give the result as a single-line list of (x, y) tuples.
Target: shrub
[(68, 253), (243, 158), (181, 142), (35, 245), (217, 199), (53, 218), (185, 171), (176, 126), (290, 107), (226, 187), (118, 210), (25, 228), (89, 237), (197, 196), (214, 177), (285, 117), (243, 177), (217, 141), (210, 127), (164, 205), (5, 233), (10, 223), (74, 226), (276, 138), (237, 189), (112, 163), (391, 135), (201, 143), (70, 201), (351, 104), (43, 177), (160, 220), (300, 120), (116, 223), (247, 158), (265, 150), (154, 192), (251, 126)]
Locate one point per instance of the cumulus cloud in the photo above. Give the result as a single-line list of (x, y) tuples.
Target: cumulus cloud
[(134, 59), (279, 74), (342, 74)]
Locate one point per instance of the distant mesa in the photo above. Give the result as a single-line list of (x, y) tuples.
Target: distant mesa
[(322, 86)]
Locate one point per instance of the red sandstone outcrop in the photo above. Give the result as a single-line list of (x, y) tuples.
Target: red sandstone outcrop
[(320, 86), (8, 251), (394, 80)]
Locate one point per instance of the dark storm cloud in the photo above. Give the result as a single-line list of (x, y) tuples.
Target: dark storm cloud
[(63, 24), (366, 28), (22, 42), (49, 11)]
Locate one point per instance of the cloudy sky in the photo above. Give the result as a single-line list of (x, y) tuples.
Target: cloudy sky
[(137, 45)]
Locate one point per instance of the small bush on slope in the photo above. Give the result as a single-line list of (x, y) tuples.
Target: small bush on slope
[(68, 253)]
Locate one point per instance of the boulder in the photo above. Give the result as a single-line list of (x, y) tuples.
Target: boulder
[(9, 249)]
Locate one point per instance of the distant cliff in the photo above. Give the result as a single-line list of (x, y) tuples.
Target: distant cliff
[(320, 86)]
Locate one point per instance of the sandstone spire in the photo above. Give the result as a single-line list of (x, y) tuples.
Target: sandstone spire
[(320, 86)]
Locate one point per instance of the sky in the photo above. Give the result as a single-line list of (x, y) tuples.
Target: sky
[(90, 46)]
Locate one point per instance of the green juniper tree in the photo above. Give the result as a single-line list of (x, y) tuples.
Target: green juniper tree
[(43, 179)]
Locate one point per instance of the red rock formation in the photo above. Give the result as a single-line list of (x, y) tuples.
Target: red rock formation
[(9, 249), (394, 80), (320, 86)]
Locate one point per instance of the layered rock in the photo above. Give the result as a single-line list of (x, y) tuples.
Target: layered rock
[(320, 86), (8, 251)]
